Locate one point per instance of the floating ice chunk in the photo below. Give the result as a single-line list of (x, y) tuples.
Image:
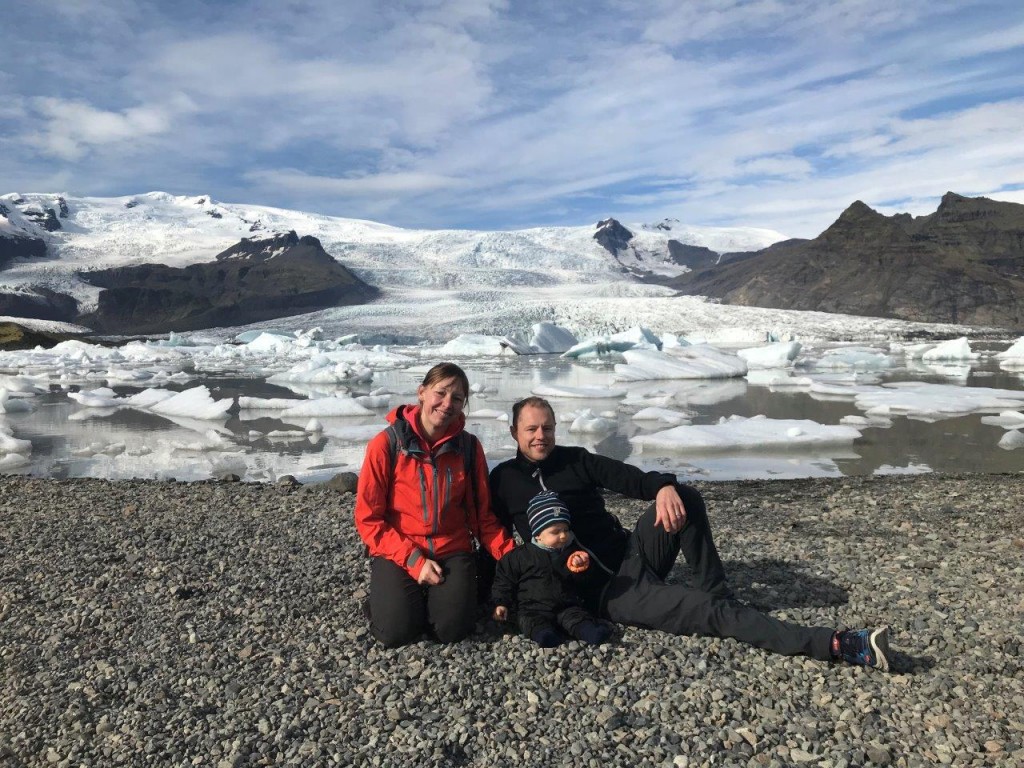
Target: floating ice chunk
[(698, 361), (473, 345), (595, 393), (1006, 419), (13, 405), (147, 398), (194, 403), (935, 401), (9, 444), (211, 441), (861, 422), (549, 338), (586, 422), (774, 378), (596, 348), (323, 369), (911, 351), (326, 406), (861, 358), (287, 435), (266, 403), (270, 342), (485, 413), (9, 461), (757, 432), (1012, 358), (634, 338), (1012, 440), (778, 355), (954, 349), (24, 385), (247, 337), (665, 415), (373, 401), (101, 397), (314, 426)]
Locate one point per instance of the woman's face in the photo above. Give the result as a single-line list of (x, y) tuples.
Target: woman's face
[(440, 404)]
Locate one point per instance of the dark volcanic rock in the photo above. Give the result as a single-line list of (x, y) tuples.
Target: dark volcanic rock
[(612, 236), (41, 304), (692, 256), (20, 247), (252, 281), (47, 219), (962, 264)]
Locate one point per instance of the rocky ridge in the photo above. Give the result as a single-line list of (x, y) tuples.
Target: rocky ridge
[(964, 263), (257, 279)]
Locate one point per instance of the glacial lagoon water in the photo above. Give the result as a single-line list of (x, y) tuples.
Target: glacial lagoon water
[(69, 441)]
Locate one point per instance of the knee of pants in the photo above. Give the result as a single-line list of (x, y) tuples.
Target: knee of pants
[(693, 502), (396, 635), (453, 630)]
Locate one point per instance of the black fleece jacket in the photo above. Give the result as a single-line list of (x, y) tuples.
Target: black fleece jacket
[(578, 476)]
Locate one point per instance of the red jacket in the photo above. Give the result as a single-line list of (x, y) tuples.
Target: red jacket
[(423, 507)]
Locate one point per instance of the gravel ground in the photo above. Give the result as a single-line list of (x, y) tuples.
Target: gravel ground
[(219, 624)]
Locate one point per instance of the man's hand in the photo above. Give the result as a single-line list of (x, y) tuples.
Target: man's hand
[(500, 613), (430, 574), (669, 511)]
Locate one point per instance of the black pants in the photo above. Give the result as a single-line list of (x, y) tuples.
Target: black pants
[(401, 609), (638, 594)]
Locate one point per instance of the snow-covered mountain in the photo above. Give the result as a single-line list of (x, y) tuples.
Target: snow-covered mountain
[(99, 233), (434, 283)]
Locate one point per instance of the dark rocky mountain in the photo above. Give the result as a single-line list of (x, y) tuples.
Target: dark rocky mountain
[(252, 281), (692, 256), (964, 263), (39, 303), (19, 246), (612, 236)]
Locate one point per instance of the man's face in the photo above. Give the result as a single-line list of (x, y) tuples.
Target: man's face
[(534, 432)]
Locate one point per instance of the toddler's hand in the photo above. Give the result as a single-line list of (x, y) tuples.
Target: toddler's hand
[(578, 562), (500, 613)]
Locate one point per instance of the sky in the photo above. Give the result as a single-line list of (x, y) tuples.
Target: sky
[(494, 114)]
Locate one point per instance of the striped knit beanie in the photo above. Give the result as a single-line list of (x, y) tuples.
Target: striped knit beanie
[(546, 509)]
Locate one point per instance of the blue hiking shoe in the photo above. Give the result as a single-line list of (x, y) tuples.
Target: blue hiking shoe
[(865, 647)]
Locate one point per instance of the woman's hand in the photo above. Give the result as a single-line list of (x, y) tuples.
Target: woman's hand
[(430, 574), (669, 511), (500, 613)]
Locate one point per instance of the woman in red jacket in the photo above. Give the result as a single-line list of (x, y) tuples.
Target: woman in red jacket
[(422, 499)]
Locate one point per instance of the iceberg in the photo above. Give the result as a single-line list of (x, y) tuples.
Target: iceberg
[(756, 432), (697, 361)]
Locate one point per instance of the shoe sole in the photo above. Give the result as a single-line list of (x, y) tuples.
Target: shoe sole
[(880, 647)]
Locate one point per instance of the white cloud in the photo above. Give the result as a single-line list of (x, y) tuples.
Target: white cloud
[(71, 128), (493, 113)]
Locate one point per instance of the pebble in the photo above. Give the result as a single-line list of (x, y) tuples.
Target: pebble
[(220, 624)]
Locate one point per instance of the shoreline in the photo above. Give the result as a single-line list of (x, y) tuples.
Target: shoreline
[(155, 623)]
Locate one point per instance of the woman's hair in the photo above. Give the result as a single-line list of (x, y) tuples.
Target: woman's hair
[(533, 401), (443, 371)]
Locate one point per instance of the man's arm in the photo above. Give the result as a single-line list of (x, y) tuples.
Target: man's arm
[(633, 482)]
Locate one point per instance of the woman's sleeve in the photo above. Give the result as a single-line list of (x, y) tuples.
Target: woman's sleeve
[(372, 492), (489, 531)]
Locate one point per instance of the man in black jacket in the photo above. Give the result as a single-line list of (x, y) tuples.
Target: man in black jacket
[(639, 561)]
